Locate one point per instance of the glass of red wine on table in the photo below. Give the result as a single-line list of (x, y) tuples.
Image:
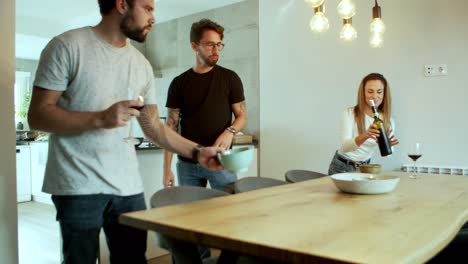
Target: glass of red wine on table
[(130, 138), (414, 154)]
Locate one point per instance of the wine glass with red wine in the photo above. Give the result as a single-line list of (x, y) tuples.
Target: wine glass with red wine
[(130, 138), (414, 154)]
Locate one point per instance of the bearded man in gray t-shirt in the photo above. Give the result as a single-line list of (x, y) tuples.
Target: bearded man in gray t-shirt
[(85, 94)]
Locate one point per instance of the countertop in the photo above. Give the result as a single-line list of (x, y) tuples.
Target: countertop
[(142, 147), (147, 146)]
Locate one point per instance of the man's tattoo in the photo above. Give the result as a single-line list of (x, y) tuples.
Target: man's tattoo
[(173, 118), (243, 107)]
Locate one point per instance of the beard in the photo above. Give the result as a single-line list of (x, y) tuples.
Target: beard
[(209, 62), (134, 33)]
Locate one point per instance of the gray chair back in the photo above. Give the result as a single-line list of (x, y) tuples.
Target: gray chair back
[(292, 176), (254, 183), (182, 252), (182, 194)]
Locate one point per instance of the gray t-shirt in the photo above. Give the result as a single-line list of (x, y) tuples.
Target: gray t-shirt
[(93, 75)]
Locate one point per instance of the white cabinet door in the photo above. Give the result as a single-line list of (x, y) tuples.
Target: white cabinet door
[(23, 173), (39, 152)]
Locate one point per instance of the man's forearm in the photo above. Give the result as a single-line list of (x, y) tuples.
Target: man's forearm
[(163, 135), (240, 122), (167, 160), (171, 140), (172, 121), (45, 115), (53, 119), (240, 115)]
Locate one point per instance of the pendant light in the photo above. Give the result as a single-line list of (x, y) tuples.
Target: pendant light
[(314, 3), (346, 9), (376, 40), (319, 23), (377, 27), (348, 33)]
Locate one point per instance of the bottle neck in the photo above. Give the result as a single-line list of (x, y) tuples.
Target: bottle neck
[(374, 111)]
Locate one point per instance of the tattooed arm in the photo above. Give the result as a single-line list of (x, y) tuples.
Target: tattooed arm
[(240, 115), (168, 139), (240, 120), (172, 121)]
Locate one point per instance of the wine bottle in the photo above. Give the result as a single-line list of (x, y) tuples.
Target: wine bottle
[(382, 140)]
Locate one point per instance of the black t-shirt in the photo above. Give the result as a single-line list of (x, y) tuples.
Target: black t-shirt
[(205, 103)]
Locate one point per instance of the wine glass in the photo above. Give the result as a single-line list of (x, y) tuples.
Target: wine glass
[(414, 154), (130, 138)]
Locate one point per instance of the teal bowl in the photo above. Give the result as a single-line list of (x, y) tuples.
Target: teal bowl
[(236, 160)]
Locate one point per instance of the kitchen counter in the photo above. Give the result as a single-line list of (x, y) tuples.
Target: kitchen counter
[(28, 142), (147, 146)]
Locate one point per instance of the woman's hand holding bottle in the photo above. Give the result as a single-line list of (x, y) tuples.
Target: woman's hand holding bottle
[(372, 132)]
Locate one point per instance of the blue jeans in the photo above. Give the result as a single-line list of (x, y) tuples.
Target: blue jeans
[(192, 174), (338, 166), (81, 218)]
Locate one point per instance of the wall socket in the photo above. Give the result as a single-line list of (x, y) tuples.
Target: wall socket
[(435, 70)]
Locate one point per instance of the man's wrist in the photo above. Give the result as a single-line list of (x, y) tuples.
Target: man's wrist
[(232, 129), (196, 152), (99, 120)]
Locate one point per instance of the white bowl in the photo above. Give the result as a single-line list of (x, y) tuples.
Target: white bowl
[(365, 183), (237, 160)]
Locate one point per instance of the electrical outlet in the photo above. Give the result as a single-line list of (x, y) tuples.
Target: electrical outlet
[(435, 70)]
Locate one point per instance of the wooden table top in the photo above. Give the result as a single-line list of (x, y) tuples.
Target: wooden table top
[(312, 220)]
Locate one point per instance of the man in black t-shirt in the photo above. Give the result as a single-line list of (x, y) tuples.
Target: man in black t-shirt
[(203, 99)]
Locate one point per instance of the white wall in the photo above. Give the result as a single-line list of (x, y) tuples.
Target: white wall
[(307, 80), (8, 209)]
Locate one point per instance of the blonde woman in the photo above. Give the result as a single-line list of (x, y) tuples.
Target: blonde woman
[(358, 134)]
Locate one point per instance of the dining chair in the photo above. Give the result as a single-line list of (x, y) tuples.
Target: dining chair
[(292, 176), (455, 251), (253, 183), (182, 252)]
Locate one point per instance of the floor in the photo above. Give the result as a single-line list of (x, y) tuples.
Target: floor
[(38, 234)]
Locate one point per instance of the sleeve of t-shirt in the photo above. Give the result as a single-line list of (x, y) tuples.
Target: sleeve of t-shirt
[(236, 94), (54, 70), (172, 94)]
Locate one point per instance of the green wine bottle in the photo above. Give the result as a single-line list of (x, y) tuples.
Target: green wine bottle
[(382, 140)]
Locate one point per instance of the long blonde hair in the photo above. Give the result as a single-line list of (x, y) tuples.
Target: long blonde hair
[(384, 108)]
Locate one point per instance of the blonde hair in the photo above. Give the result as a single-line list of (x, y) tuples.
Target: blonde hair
[(384, 108)]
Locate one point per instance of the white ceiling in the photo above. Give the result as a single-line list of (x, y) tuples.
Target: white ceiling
[(38, 21)]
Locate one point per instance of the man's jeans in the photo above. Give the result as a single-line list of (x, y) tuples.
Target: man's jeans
[(81, 218), (192, 174)]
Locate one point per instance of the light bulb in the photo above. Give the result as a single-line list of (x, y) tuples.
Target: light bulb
[(377, 26), (314, 3), (346, 9), (376, 40), (319, 23), (348, 33)]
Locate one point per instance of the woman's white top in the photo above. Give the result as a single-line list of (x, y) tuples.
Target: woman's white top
[(349, 131)]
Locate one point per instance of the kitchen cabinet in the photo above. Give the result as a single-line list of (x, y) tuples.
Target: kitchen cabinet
[(39, 152), (23, 173)]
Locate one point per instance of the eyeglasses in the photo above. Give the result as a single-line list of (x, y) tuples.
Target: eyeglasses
[(212, 45)]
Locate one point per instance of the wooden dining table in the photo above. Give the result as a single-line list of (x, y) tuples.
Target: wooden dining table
[(312, 221)]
